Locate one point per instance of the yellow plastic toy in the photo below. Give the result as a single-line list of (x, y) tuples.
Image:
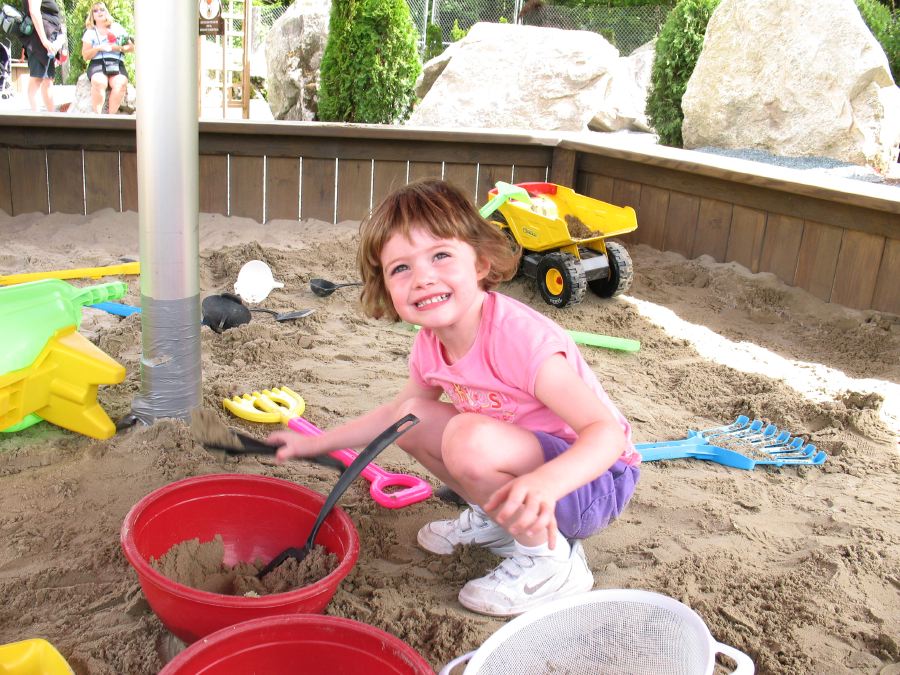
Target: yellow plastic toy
[(47, 369), (32, 657), (80, 273), (563, 236), (60, 386)]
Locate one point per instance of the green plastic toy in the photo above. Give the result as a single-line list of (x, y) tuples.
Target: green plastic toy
[(505, 192), (34, 312)]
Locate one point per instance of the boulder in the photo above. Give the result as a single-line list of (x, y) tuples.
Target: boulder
[(81, 104), (432, 69), (794, 78), (294, 47), (624, 106), (514, 76)]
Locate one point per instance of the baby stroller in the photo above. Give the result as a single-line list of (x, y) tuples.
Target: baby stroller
[(6, 84)]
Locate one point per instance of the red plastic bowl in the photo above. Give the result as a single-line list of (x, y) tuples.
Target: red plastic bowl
[(302, 644), (258, 517)]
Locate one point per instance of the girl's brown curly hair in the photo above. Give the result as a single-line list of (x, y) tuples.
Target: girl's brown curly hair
[(445, 213)]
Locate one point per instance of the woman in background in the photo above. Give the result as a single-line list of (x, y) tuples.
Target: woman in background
[(103, 48)]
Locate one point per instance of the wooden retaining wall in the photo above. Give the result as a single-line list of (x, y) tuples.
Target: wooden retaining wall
[(837, 238)]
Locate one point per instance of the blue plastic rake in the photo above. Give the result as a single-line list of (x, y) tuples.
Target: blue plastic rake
[(748, 444)]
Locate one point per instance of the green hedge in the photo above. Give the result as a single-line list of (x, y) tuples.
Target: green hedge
[(370, 63), (677, 50)]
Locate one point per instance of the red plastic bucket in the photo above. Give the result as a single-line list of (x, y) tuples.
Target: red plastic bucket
[(302, 644), (258, 517)]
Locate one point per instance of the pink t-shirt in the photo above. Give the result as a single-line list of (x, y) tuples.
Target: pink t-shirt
[(497, 375)]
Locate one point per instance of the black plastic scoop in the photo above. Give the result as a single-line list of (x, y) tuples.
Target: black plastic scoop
[(226, 310), (372, 450), (323, 288), (223, 311)]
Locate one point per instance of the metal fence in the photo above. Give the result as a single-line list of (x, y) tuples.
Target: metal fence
[(627, 28)]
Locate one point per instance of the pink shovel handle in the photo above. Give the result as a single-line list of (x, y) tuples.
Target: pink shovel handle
[(414, 488)]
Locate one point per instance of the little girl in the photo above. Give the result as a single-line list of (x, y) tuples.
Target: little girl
[(528, 437)]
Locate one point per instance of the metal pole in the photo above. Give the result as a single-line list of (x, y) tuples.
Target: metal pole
[(168, 169), (224, 72), (245, 74)]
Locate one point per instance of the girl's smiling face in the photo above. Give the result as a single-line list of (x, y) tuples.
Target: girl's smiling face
[(433, 282)]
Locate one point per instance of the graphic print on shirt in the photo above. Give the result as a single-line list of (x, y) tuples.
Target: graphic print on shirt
[(486, 402)]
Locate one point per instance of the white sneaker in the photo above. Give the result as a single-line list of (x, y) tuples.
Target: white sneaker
[(472, 527), (523, 582)]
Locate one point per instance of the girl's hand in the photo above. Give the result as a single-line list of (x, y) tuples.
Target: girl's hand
[(525, 506), (291, 444)]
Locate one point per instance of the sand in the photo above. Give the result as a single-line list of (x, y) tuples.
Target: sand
[(798, 566)]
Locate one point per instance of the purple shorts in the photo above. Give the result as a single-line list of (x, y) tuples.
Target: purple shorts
[(591, 507)]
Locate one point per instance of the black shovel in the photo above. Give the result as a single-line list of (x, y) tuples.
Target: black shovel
[(371, 451), (226, 310), (323, 288)]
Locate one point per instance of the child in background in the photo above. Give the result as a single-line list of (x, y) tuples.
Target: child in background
[(528, 437)]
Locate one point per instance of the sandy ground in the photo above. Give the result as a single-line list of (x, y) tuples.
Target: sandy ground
[(798, 567)]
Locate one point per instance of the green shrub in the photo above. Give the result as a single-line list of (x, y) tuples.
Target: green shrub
[(434, 41), (76, 12), (886, 30), (457, 33), (370, 63), (677, 50)]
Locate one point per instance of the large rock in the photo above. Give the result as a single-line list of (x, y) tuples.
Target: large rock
[(508, 75), (795, 78), (81, 104), (624, 106), (294, 47)]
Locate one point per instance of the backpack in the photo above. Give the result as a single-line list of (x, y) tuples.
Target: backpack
[(13, 23)]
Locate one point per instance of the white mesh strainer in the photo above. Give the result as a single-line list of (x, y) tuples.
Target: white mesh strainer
[(613, 632)]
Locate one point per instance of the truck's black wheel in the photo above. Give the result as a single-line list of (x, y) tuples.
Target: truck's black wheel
[(621, 272), (560, 279)]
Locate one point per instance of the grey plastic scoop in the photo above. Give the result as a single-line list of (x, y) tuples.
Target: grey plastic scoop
[(284, 316), (323, 288)]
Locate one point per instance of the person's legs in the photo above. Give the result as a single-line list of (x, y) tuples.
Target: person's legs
[(34, 88), (473, 454), (117, 85), (99, 82), (37, 72), (47, 94)]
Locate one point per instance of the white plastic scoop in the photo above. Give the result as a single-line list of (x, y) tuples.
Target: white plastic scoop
[(255, 281)]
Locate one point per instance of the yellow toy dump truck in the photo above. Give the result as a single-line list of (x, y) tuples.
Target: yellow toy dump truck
[(563, 238)]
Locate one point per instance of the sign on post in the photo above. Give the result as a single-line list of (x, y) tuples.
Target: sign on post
[(211, 21)]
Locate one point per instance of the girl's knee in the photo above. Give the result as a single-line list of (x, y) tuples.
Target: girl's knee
[(466, 429), (462, 437)]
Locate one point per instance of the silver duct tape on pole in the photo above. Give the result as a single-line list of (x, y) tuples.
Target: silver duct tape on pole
[(168, 171)]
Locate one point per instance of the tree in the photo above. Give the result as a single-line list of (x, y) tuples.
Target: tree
[(370, 64), (677, 50)]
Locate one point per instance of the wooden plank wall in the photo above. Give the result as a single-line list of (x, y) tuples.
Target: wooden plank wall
[(271, 175), (836, 249), (845, 254)]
